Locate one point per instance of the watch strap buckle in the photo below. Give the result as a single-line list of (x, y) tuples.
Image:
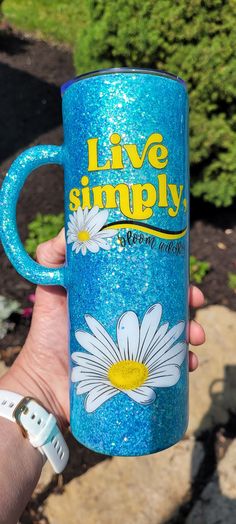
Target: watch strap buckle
[(20, 408)]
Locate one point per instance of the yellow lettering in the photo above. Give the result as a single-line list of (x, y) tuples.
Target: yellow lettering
[(84, 180), (85, 192), (162, 189), (86, 198), (132, 151), (93, 156), (142, 206), (135, 201), (116, 152), (157, 156), (176, 197), (74, 199), (105, 196)]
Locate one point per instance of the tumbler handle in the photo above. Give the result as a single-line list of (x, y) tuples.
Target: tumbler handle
[(12, 185)]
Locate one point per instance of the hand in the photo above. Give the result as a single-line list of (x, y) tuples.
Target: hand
[(196, 335), (41, 369)]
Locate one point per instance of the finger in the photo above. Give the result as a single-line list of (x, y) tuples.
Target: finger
[(52, 252), (193, 361), (196, 333), (196, 297)]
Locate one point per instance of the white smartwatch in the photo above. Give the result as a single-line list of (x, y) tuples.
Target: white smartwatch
[(38, 425)]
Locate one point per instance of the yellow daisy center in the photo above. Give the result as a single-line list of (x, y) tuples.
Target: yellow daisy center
[(128, 374), (83, 236)]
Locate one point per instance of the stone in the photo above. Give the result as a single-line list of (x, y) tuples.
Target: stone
[(7, 306), (227, 473), (45, 479), (217, 503), (144, 490), (221, 245), (213, 385), (3, 368)]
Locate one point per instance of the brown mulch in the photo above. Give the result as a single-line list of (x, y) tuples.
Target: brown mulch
[(213, 238), (30, 114)]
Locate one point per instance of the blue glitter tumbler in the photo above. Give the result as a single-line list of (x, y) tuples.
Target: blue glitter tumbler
[(125, 159)]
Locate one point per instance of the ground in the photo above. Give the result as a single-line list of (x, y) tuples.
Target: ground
[(32, 72)]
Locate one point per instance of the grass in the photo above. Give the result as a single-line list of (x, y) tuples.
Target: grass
[(54, 20)]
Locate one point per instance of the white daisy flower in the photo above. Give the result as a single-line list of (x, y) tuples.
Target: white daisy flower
[(84, 230), (146, 356)]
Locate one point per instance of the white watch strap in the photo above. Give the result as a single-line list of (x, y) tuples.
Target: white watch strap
[(39, 425)]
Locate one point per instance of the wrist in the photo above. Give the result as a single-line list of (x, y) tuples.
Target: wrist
[(12, 439), (21, 466), (39, 426), (21, 379)]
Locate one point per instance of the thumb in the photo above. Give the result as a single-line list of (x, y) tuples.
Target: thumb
[(52, 252)]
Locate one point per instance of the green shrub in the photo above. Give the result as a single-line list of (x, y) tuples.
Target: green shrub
[(232, 281), (51, 19), (198, 269), (195, 40), (42, 228)]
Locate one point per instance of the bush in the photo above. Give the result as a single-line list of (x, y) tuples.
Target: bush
[(195, 40), (198, 269), (41, 229)]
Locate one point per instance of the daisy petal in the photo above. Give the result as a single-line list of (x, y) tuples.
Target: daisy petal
[(173, 355), (72, 237), (96, 223), (89, 362), (164, 377), (156, 339), (80, 373), (148, 329), (72, 230), (72, 224), (86, 385), (142, 395), (101, 334), (83, 249), (94, 211), (165, 343), (80, 218), (74, 246), (75, 374), (95, 347), (85, 214), (128, 335), (92, 246), (102, 243), (106, 233), (97, 396)]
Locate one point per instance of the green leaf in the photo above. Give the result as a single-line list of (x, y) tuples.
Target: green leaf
[(198, 269), (232, 281), (41, 229)]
